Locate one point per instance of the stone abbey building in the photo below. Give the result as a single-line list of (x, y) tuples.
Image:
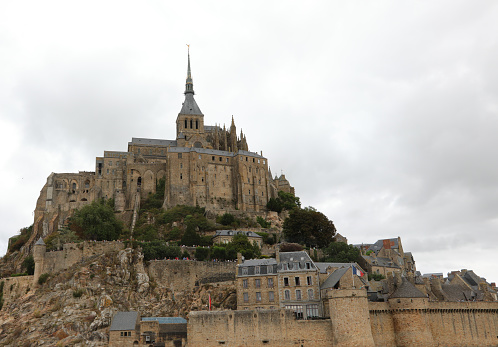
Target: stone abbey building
[(205, 165)]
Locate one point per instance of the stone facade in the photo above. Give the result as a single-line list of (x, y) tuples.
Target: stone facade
[(207, 166), (354, 322)]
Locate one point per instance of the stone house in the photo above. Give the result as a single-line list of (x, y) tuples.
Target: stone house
[(125, 329), (226, 236)]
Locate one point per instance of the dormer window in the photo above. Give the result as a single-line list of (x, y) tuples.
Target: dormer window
[(244, 270), (257, 270)]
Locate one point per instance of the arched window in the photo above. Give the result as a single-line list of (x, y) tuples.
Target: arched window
[(139, 181), (287, 294), (197, 124), (191, 123), (185, 124), (87, 184), (74, 186)]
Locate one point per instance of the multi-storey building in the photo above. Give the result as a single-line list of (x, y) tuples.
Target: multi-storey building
[(291, 281)]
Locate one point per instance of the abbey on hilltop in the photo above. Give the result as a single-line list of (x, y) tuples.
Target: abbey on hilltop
[(205, 165)]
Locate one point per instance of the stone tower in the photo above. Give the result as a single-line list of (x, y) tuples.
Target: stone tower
[(190, 120), (39, 250), (350, 318), (408, 306)]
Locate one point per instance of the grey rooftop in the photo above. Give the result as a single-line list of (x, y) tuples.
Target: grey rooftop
[(124, 321), (236, 232)]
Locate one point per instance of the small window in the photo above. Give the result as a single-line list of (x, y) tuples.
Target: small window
[(227, 160), (246, 297), (296, 279), (286, 281), (107, 170), (221, 159), (310, 294), (271, 296), (298, 294), (247, 159), (181, 176), (199, 156), (309, 281), (110, 162), (258, 161), (269, 269), (179, 155), (185, 124), (258, 296), (253, 160), (249, 169), (270, 282), (308, 266), (212, 157), (181, 165), (257, 283), (244, 283), (244, 270), (139, 151), (264, 162), (257, 270)]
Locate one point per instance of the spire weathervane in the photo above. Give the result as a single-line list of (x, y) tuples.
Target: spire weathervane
[(189, 85)]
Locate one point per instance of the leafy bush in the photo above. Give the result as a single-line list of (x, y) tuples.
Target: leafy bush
[(159, 250), (78, 293), (261, 221), (43, 278), (96, 221), (57, 239), (290, 247), (269, 239), (375, 277), (227, 219), (18, 241), (19, 274), (201, 253)]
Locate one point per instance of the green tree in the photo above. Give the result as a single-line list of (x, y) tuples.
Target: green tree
[(29, 265), (201, 253), (340, 252), (96, 221), (309, 227), (241, 244), (283, 201), (227, 219), (218, 252)]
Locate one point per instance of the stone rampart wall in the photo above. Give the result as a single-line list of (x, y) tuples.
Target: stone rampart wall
[(256, 328), (183, 275), (450, 323), (73, 253)]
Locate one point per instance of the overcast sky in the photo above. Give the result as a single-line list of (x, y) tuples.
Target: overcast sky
[(383, 115)]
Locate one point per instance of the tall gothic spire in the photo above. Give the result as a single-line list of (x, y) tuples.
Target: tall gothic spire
[(189, 84)]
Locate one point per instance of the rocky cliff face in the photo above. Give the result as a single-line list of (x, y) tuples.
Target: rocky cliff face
[(76, 306)]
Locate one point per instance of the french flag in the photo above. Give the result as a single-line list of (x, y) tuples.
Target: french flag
[(357, 272)]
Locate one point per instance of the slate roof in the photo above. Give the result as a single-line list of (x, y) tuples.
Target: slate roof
[(165, 320), (407, 290), (189, 106), (454, 292), (334, 277), (295, 261), (40, 242), (236, 232), (152, 142), (264, 266), (380, 261), (124, 321)]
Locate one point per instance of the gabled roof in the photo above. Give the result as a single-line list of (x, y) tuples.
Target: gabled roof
[(407, 290), (380, 261), (40, 242), (334, 277), (124, 321)]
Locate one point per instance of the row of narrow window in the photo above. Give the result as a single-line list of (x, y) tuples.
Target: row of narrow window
[(191, 122), (297, 281), (271, 296)]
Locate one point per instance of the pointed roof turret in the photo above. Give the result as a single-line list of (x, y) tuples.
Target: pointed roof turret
[(189, 105), (40, 242)]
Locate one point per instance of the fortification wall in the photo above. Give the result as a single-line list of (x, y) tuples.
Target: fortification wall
[(463, 323), (16, 287), (181, 275), (256, 328), (73, 253), (382, 325)]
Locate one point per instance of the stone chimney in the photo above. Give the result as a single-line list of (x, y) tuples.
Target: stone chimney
[(239, 258)]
